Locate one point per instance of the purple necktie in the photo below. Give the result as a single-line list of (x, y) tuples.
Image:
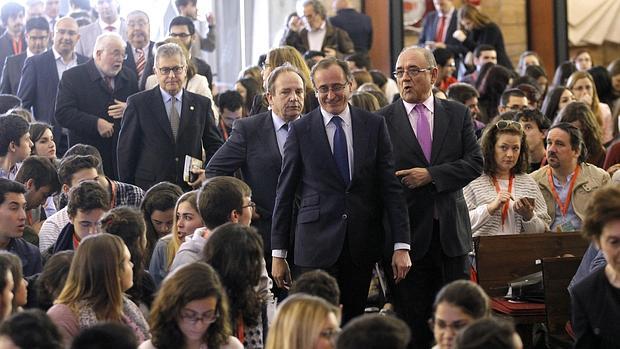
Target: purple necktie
[(424, 131)]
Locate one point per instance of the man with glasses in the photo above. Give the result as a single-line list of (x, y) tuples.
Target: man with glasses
[(512, 99), (109, 22), (41, 74), (183, 29), (139, 44), (436, 155), (91, 99), (339, 160), (37, 38), (163, 125)]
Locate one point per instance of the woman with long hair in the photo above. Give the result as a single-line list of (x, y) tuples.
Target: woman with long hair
[(6, 288), (100, 273), (128, 224), (20, 285), (476, 28), (248, 88), (191, 312), (583, 87), (52, 279), (457, 305), (186, 220), (581, 116), (493, 84), (277, 57), (43, 139), (240, 272), (505, 199), (556, 99), (304, 322), (157, 207)]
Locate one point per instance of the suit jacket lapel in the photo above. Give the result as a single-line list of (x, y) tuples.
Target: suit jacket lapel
[(268, 135), (51, 74), (440, 129), (188, 114), (158, 110), (360, 141)]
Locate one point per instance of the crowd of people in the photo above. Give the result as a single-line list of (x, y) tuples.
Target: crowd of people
[(141, 208)]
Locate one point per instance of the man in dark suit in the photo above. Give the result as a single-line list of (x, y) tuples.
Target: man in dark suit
[(438, 27), (163, 125), (339, 159), (139, 44), (436, 155), (12, 41), (318, 34), (256, 144), (41, 74), (91, 99), (357, 25), (109, 22), (37, 38)]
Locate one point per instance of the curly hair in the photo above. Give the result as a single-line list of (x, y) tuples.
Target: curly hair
[(240, 271), (191, 282), (487, 143)]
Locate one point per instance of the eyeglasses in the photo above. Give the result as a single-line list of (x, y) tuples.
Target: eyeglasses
[(176, 70), (330, 334), (66, 32), (180, 35), (335, 88), (504, 124), (138, 24), (411, 71), (443, 325), (38, 38), (207, 318), (251, 204)]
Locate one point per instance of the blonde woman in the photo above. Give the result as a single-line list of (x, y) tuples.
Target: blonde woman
[(583, 88), (304, 322)]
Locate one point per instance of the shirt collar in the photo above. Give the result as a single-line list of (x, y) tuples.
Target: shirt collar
[(321, 28), (428, 103), (116, 24), (278, 122), (449, 15), (167, 96), (57, 55), (345, 116)]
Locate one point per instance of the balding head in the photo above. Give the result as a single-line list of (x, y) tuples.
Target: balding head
[(109, 53), (66, 35)]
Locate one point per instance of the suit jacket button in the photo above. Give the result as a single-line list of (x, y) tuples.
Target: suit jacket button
[(176, 159), (344, 216)]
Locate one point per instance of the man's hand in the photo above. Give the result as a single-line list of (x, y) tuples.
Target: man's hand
[(211, 19), (105, 129), (414, 177), (117, 109), (200, 178), (280, 272), (401, 263)]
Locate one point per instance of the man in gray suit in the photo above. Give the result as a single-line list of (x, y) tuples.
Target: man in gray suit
[(436, 155), (109, 21)]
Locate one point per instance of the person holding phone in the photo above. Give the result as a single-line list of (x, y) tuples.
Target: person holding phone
[(505, 200)]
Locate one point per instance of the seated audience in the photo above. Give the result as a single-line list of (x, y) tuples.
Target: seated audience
[(6, 288), (484, 55), (527, 59), (304, 322), (12, 225), (31, 329), (467, 95), (186, 220), (562, 72), (20, 285), (446, 67), (158, 210), (376, 91), (43, 139), (88, 201), (94, 290), (248, 89), (128, 223), (191, 311), (15, 144), (491, 88), (505, 200), (537, 73), (535, 126), (48, 285), (374, 332), (579, 115), (489, 333), (230, 106), (556, 99), (240, 272), (105, 336), (583, 87), (567, 182), (365, 101), (317, 283), (582, 60), (595, 302), (457, 305)]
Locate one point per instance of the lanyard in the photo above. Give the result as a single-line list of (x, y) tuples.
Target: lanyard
[(507, 203), (563, 205), (17, 45), (113, 194)]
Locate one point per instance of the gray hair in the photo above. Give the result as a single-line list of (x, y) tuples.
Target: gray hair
[(104, 39), (285, 68), (428, 54), (138, 12), (317, 6), (169, 50)]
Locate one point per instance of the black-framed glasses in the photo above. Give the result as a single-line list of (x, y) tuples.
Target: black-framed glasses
[(180, 35), (504, 124), (251, 204), (207, 318), (336, 88), (176, 70), (411, 71)]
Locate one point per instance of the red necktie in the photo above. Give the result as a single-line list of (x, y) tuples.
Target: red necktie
[(110, 28), (140, 62), (440, 29)]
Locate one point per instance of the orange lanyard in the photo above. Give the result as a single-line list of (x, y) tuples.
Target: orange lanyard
[(113, 190), (563, 205), (507, 203), (17, 45)]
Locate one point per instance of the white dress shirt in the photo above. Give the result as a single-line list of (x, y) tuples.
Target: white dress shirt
[(330, 129)]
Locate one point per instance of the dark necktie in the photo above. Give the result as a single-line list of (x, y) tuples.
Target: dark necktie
[(285, 127), (340, 150), (174, 118)]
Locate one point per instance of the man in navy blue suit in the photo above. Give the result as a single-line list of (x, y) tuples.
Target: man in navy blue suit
[(338, 160), (438, 27), (41, 73)]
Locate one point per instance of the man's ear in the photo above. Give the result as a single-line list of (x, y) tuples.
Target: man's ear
[(234, 216), (12, 146), (29, 185), (65, 189)]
